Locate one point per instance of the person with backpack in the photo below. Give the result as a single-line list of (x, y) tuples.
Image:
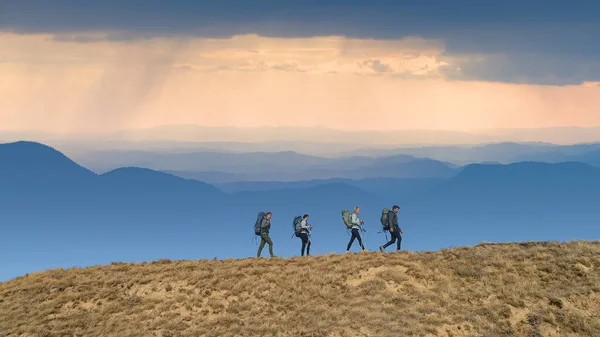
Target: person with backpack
[(305, 228), (392, 226), (356, 224), (263, 229)]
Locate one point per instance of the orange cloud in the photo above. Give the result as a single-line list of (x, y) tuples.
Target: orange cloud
[(98, 85), (590, 84)]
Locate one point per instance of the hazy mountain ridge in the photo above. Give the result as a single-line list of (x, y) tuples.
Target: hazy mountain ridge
[(322, 135), (506, 152), (218, 167), (258, 158)]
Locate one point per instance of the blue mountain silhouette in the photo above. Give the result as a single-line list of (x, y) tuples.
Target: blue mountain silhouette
[(31, 162), (220, 167), (396, 189), (505, 152), (581, 154), (520, 188), (419, 168), (58, 213), (142, 179)]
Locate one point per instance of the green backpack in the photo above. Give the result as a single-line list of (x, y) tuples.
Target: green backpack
[(296, 223), (384, 219), (347, 217)]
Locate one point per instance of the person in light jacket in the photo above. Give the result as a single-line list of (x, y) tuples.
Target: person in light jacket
[(356, 227), (305, 228)]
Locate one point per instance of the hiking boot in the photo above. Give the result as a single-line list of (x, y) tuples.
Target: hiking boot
[(381, 249), (365, 250)]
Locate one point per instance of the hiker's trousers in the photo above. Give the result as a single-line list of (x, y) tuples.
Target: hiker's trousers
[(355, 235), (264, 238), (305, 243), (395, 237)]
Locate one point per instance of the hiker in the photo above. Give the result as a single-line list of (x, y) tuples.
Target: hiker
[(305, 234), (395, 231), (356, 227), (265, 226)]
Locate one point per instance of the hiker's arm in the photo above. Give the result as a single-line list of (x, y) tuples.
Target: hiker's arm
[(264, 223), (304, 225)]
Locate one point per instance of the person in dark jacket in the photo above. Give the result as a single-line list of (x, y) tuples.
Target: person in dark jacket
[(265, 227), (395, 230)]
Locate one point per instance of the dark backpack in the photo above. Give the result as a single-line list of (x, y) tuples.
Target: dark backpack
[(384, 219), (296, 223), (259, 219)]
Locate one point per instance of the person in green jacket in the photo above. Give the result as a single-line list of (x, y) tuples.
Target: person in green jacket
[(265, 227)]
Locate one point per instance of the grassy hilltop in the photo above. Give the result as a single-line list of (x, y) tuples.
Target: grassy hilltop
[(527, 289)]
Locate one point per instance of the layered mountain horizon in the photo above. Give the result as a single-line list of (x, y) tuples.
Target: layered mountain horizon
[(57, 212)]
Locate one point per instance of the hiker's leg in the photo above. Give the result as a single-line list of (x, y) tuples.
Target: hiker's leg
[(304, 238), (308, 248), (399, 242), (267, 239), (359, 240), (261, 246), (351, 240), (392, 240)]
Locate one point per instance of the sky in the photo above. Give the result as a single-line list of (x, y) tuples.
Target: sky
[(87, 66)]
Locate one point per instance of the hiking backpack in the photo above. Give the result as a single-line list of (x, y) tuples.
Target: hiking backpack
[(347, 217), (384, 219), (297, 222), (258, 223)]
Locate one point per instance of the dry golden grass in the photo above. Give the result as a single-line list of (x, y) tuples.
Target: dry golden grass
[(529, 289)]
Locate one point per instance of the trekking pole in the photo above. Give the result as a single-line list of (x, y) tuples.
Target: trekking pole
[(384, 233), (362, 229)]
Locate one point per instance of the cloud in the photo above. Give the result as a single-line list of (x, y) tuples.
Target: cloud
[(87, 82), (523, 68), (377, 66), (520, 42), (590, 84), (318, 55)]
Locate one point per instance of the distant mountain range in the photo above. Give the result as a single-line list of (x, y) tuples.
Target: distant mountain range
[(197, 133), (228, 154), (219, 167), (229, 162), (53, 209), (225, 167), (505, 153)]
